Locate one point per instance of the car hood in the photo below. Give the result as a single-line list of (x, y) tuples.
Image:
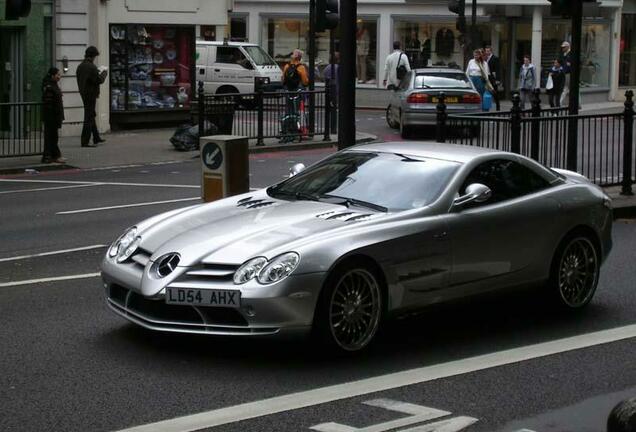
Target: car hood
[(236, 229)]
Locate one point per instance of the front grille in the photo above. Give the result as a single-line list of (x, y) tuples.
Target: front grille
[(206, 276)]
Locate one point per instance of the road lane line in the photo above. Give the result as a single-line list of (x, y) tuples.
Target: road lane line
[(293, 401), (405, 407), (83, 248), (101, 183), (451, 425), (46, 189), (52, 279), (126, 206)]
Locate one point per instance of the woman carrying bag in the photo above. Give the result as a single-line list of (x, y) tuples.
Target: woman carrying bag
[(555, 83)]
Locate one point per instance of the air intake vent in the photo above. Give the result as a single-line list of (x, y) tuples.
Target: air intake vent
[(253, 204), (346, 216)]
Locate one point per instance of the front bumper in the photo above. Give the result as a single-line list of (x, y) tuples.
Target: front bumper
[(287, 306)]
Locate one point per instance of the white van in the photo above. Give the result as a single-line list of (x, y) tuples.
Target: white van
[(230, 67)]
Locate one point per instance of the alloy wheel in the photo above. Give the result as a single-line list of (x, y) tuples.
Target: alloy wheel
[(578, 272), (354, 309)]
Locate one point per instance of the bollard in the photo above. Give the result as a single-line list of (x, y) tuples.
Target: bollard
[(201, 109), (515, 124), (628, 143), (535, 128), (224, 166)]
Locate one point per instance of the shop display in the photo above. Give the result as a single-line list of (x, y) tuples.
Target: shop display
[(151, 67)]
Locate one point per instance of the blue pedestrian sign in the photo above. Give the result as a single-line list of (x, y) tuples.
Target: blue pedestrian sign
[(212, 156)]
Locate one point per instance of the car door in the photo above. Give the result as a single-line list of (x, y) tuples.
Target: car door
[(231, 67), (202, 72), (495, 242)]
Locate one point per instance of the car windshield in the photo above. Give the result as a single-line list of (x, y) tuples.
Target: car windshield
[(380, 181), (442, 80), (260, 57)]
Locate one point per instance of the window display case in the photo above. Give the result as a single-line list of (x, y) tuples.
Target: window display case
[(151, 68)]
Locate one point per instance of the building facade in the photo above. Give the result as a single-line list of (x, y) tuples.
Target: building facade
[(428, 33), (148, 48)]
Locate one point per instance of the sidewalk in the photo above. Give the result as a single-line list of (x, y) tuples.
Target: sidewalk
[(146, 146)]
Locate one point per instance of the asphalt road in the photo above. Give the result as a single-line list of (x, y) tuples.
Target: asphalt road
[(70, 364)]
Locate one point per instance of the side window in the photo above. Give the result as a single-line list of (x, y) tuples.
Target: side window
[(231, 55), (507, 180)]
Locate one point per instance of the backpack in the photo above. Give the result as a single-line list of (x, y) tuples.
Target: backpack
[(400, 71), (292, 77)]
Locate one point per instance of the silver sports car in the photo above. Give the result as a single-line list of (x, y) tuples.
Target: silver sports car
[(367, 233)]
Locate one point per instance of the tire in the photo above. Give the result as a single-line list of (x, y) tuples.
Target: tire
[(350, 308), (392, 124), (575, 272)]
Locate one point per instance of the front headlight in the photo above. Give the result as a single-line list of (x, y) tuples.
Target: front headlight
[(249, 270), (125, 245), (279, 268)]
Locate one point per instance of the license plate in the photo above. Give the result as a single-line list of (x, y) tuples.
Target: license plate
[(203, 297), (452, 99)]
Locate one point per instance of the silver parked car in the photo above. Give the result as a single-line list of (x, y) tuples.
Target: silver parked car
[(367, 233), (413, 103)]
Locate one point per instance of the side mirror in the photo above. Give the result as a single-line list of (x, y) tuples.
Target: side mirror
[(475, 192), (296, 169)]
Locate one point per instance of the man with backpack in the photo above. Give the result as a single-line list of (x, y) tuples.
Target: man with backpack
[(396, 67), (295, 73)]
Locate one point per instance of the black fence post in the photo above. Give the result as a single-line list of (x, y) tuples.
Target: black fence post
[(628, 143), (327, 102), (515, 124), (535, 129), (201, 110), (441, 118), (260, 113)]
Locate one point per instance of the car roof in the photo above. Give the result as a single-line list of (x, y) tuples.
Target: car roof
[(437, 70), (430, 149)]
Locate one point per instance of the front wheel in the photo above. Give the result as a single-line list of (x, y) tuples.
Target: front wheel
[(575, 272), (350, 309)]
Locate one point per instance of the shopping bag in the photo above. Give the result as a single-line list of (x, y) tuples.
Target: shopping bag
[(486, 101), (549, 85)]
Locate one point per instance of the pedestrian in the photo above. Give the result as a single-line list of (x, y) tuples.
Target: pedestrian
[(331, 75), (555, 83), (622, 418), (396, 67), (527, 80), (494, 66), (412, 49), (52, 116), (295, 72), (478, 72), (89, 78), (565, 58)]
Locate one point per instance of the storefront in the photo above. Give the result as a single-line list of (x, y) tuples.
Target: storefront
[(428, 34), (627, 63)]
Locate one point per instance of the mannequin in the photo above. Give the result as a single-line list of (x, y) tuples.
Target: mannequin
[(426, 49), (363, 41)]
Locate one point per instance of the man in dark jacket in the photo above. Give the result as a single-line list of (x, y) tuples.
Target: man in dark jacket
[(494, 66), (88, 81), (52, 116)]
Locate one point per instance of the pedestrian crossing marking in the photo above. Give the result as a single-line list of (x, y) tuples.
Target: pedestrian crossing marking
[(417, 414)]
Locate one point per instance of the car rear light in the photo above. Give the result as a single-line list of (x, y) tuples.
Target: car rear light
[(417, 98), (471, 98)]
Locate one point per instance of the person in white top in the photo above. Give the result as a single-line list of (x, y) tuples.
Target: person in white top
[(394, 60), (478, 71)]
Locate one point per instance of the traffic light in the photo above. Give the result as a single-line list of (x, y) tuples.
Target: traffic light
[(15, 9), (326, 15), (457, 6)]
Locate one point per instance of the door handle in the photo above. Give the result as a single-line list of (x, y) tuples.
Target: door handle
[(217, 70), (202, 71), (440, 235)]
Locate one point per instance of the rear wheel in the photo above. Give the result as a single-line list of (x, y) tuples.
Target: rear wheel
[(575, 272), (350, 308)]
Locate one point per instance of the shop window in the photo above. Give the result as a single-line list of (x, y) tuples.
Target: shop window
[(283, 35), (627, 62), (151, 67)]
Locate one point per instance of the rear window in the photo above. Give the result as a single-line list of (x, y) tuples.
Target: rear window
[(442, 81)]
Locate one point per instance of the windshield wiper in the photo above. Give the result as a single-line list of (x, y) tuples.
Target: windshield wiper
[(274, 191), (352, 201)]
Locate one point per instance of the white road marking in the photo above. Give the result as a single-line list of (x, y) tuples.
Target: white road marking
[(52, 279), (46, 189), (451, 425), (336, 392), (405, 407), (333, 427), (100, 183), (83, 248), (126, 206)]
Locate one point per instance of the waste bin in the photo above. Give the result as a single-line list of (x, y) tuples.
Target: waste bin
[(221, 113), (224, 166)]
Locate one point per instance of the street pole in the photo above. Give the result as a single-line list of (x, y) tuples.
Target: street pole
[(473, 28), (575, 75), (312, 64), (347, 85)]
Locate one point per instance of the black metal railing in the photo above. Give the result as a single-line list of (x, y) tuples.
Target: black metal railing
[(21, 130), (599, 146), (284, 115)]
